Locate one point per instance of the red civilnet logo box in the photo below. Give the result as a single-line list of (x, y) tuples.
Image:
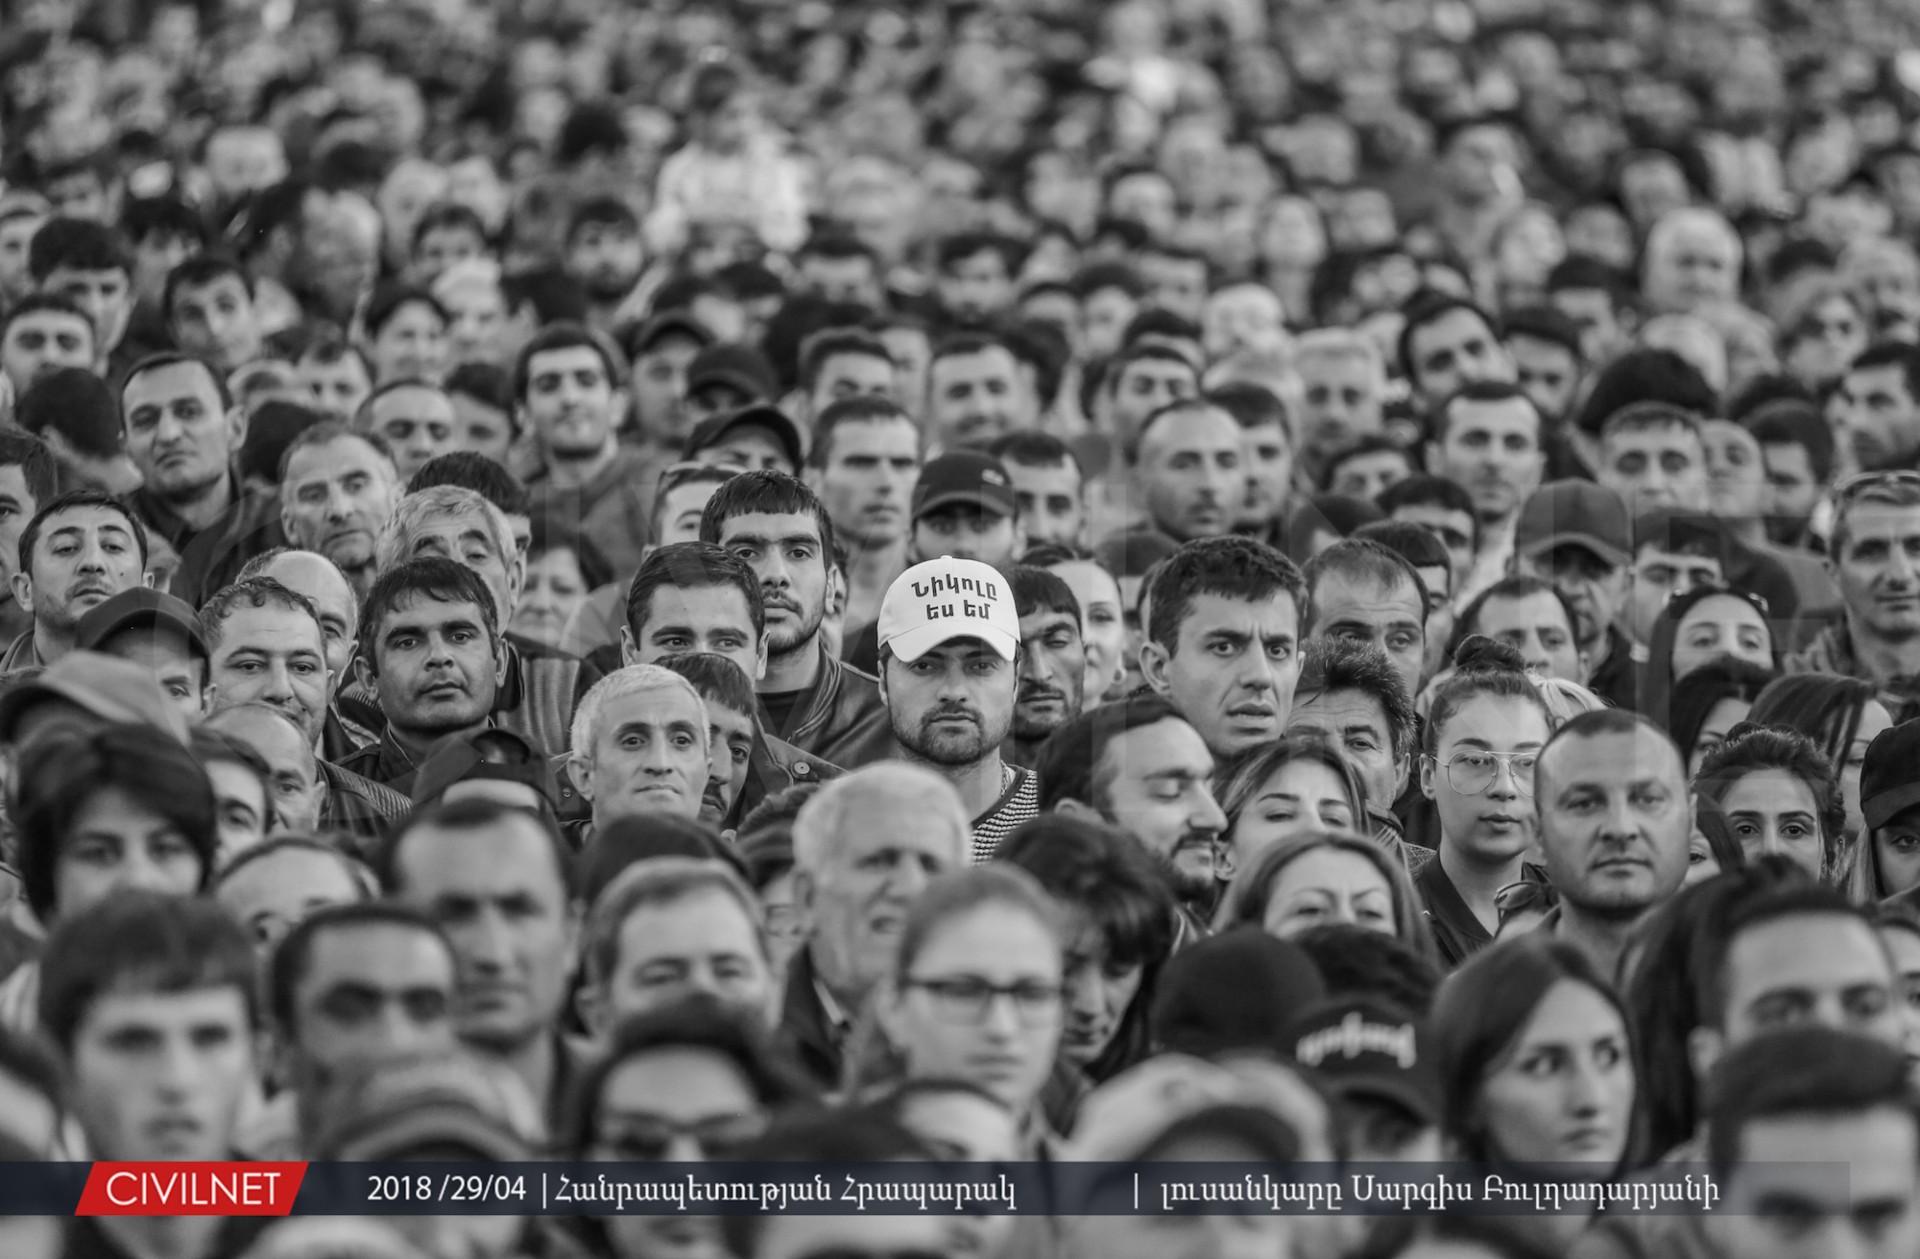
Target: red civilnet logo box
[(178, 1189)]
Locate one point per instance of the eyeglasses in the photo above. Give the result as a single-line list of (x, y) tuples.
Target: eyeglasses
[(648, 1141), (966, 998), (1471, 773), (1860, 482), (1526, 896)]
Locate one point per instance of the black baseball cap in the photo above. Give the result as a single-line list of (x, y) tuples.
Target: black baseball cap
[(139, 608), (1888, 785), (964, 476), (711, 430), (1366, 1047), (736, 366)]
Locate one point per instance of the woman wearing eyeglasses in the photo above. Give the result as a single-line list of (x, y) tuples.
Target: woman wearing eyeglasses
[(1484, 731), (976, 992), (691, 1082)]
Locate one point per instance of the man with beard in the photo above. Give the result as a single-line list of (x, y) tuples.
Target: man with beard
[(77, 552), (949, 655), (1487, 439), (1138, 765), (1053, 660), (430, 644), (809, 698), (604, 255), (183, 433), (566, 386)]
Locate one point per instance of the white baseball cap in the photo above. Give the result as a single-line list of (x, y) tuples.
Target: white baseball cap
[(945, 599)]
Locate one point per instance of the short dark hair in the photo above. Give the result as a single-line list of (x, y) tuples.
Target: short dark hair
[(768, 492), (36, 463), (197, 272), (1598, 724), (486, 383), (251, 592), (169, 214), (326, 432), (73, 500), (294, 953), (77, 245), (1485, 391), (1644, 374), (470, 470), (170, 944), (957, 248), (1037, 590), (430, 577), (1429, 307), (603, 210), (1424, 490), (389, 300), (1328, 666), (1417, 544), (1371, 444), (1786, 422), (560, 336), (718, 679), (1508, 589), (1069, 760), (1359, 560), (1880, 354), (1806, 1070), (34, 303), (691, 566), (447, 216), (1031, 448), (1230, 567), (1584, 271), (681, 475), (555, 296), (833, 343), (1250, 405), (866, 409), (173, 358)]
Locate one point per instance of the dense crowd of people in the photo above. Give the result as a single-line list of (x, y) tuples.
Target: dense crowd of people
[(966, 582)]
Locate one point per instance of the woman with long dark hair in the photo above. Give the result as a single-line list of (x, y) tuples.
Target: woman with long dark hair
[(1698, 627), (1709, 702), (1779, 795), (1842, 716)]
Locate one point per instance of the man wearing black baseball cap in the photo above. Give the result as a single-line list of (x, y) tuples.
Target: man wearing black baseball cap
[(755, 438), (1890, 808), (964, 506), (157, 632), (1577, 535)]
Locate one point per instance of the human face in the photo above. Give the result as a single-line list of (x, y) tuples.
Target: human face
[(553, 593), (1563, 1092), (478, 331), (338, 388), (1099, 989), (1342, 402), (1903, 947), (106, 296), (1354, 722), (411, 345), (1721, 718), (1771, 811), (372, 993), (1613, 821), (1243, 317), (1659, 577), (242, 810), (977, 287), (1721, 625), (1366, 614), (1897, 852), (166, 656), (605, 258), (1104, 318), (1877, 418), (1490, 828), (469, 539), (1190, 475), (1736, 475), (1154, 782), (697, 618), (1777, 1211), (1548, 371), (1536, 626), (116, 842), (856, 901), (1052, 503), (852, 376), (730, 738), (912, 355), (954, 705), (785, 552), (272, 894), (215, 321), (83, 557), (974, 398), (1327, 885), (292, 773), (1811, 968), (701, 943), (570, 402), (17, 507), (1266, 452), (1878, 570), (42, 341), (1365, 476), (1595, 588), (1593, 312), (1455, 529), (16, 235), (1655, 467), (497, 893), (1144, 386), (443, 247), (1453, 350), (1491, 450), (162, 1075), (1821, 346), (966, 532), (1007, 1048), (1793, 491), (1053, 673), (436, 667), (418, 425), (1232, 669), (868, 479), (321, 582), (1103, 624), (648, 755), (177, 433), (274, 656)]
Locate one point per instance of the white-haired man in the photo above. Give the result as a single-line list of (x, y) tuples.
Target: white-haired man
[(864, 848), (640, 745)]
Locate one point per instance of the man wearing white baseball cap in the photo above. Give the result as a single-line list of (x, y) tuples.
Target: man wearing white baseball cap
[(949, 653)]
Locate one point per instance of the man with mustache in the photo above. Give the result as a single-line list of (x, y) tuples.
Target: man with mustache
[(949, 661), (1053, 661), (77, 552), (430, 645)]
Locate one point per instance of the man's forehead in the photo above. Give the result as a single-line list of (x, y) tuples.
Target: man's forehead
[(267, 628), (1159, 747), (79, 519), (571, 358), (385, 943), (1362, 594), (1614, 758), (1275, 614), (726, 604), (412, 399), (1889, 519), (660, 704), (134, 998), (42, 320), (1343, 707), (173, 381)]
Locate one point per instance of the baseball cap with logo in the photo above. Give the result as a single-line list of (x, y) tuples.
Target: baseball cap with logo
[(967, 477), (1575, 513), (944, 599), (1365, 1047)]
